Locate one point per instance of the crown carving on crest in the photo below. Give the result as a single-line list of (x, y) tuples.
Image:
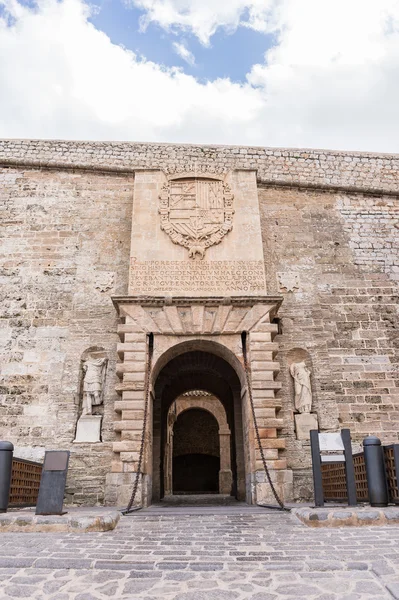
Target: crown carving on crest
[(196, 212)]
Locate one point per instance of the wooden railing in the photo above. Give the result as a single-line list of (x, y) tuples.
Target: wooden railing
[(391, 454), (25, 482), (334, 481), (362, 492)]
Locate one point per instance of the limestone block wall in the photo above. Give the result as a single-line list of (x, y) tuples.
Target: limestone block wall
[(372, 225), (340, 305), (330, 235), (320, 168), (64, 251)]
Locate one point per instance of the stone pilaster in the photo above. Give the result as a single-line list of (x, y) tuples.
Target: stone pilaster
[(264, 369)]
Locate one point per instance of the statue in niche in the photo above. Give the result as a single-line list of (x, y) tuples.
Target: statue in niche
[(303, 391), (93, 383)]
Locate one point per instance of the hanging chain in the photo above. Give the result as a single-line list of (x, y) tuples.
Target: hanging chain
[(146, 405), (265, 467)]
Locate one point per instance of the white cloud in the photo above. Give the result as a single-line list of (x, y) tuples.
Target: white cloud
[(330, 81), (184, 53), (205, 17), (62, 78)]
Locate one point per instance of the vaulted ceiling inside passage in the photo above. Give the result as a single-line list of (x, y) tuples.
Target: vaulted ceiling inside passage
[(196, 370)]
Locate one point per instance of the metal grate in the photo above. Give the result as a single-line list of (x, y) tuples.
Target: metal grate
[(362, 491), (25, 482), (391, 454), (334, 480)]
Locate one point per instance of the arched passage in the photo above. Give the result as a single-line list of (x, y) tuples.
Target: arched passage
[(197, 402), (197, 369)]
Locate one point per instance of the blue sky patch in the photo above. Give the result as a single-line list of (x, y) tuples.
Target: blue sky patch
[(230, 55)]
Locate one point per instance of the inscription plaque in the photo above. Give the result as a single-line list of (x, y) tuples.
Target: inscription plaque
[(216, 277)]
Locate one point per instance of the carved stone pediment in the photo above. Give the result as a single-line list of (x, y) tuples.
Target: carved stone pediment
[(196, 212), (196, 316)]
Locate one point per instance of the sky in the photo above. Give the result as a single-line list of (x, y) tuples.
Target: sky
[(279, 73)]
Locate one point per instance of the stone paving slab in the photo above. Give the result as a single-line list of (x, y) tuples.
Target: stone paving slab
[(79, 520), (259, 556), (347, 516)]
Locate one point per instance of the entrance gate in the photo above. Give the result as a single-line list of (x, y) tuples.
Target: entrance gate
[(184, 374), (196, 284), (197, 345)]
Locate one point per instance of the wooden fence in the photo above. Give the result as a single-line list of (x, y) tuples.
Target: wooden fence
[(391, 454), (25, 482), (334, 481)]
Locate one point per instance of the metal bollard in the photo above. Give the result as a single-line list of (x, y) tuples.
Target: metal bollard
[(6, 450), (375, 471)]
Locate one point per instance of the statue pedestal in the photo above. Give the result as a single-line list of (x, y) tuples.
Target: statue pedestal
[(89, 429), (304, 422)]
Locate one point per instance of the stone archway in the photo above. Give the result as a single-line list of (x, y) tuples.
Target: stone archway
[(199, 370), (180, 327), (197, 399)]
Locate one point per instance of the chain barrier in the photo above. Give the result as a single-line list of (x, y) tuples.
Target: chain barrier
[(129, 508), (265, 467)]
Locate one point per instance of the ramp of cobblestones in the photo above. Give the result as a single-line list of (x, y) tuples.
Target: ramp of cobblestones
[(221, 556)]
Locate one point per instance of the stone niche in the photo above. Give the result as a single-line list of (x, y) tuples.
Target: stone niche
[(92, 376), (301, 391)]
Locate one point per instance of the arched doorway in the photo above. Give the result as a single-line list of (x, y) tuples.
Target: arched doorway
[(196, 433), (187, 372), (170, 345)]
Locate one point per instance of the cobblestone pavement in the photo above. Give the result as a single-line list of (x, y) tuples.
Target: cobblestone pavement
[(259, 556)]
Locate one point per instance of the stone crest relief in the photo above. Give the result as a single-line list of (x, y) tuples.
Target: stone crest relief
[(288, 282), (196, 213)]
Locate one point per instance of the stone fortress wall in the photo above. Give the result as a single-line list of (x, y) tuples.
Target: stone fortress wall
[(330, 228), (320, 168)]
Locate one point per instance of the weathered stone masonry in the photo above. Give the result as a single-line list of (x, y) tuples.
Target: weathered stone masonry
[(330, 238), (357, 170), (61, 260)]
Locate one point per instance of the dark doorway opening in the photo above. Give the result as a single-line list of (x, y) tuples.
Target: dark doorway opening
[(196, 474), (196, 453)]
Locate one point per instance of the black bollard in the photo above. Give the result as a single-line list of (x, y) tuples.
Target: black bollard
[(375, 471), (6, 450)]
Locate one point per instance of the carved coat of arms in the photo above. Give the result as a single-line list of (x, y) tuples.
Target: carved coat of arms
[(196, 213)]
